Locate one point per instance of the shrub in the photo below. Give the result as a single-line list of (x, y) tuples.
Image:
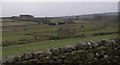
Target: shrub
[(66, 32)]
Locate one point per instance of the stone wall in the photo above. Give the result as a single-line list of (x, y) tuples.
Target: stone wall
[(103, 51)]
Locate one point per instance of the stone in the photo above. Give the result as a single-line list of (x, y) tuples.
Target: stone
[(69, 48), (94, 44), (27, 56), (110, 43), (48, 53), (55, 51), (102, 52), (81, 45), (105, 56), (0, 60), (99, 43), (4, 59), (40, 55), (11, 59), (113, 42), (35, 55), (117, 40), (62, 50), (88, 43), (46, 59), (104, 41), (110, 51), (101, 48), (19, 59), (90, 55), (97, 54)]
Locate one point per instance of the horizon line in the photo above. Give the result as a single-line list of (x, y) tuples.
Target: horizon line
[(65, 15)]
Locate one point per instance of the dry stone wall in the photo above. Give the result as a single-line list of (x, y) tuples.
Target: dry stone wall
[(100, 52)]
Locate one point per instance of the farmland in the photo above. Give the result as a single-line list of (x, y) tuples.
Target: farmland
[(40, 46), (13, 33), (52, 30), (17, 23)]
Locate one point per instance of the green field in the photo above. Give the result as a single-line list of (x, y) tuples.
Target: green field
[(12, 34), (40, 46), (89, 29), (18, 35), (18, 23), (81, 21)]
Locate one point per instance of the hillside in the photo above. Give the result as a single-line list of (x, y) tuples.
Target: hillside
[(39, 34)]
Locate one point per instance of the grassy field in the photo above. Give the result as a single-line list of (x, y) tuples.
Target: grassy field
[(18, 33), (40, 46), (81, 21), (52, 31), (18, 23)]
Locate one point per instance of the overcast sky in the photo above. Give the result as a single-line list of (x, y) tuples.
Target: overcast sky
[(42, 9), (59, 0)]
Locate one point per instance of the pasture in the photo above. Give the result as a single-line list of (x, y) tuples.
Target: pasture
[(15, 32), (18, 23), (52, 31), (40, 46)]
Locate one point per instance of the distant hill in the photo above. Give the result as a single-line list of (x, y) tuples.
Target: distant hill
[(109, 13), (85, 17)]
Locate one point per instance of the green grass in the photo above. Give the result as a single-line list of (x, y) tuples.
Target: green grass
[(18, 35), (17, 23), (110, 28), (40, 46), (81, 21), (50, 30)]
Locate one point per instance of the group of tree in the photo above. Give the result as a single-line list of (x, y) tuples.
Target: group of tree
[(66, 32)]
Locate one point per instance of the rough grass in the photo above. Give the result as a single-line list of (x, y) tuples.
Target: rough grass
[(81, 21), (93, 29), (51, 30), (40, 46), (88, 29), (17, 23), (17, 35)]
